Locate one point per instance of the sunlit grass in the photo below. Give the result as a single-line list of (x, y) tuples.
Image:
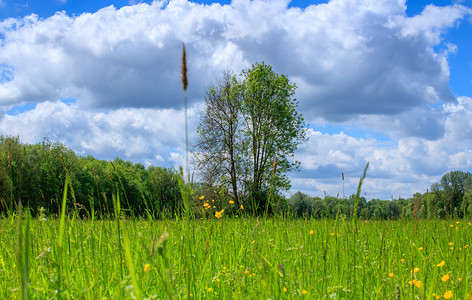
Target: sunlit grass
[(239, 258)]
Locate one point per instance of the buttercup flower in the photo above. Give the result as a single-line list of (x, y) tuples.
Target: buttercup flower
[(147, 267), (441, 264), (447, 295), (445, 277), (219, 214)]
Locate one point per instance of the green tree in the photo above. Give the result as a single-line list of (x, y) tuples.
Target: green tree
[(273, 129), (454, 184)]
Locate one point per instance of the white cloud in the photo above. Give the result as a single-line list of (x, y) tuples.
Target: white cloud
[(362, 62), (149, 136), (349, 57), (403, 167)]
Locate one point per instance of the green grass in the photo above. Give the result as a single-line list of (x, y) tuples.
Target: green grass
[(235, 258)]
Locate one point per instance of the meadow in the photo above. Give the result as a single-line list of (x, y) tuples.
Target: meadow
[(234, 258)]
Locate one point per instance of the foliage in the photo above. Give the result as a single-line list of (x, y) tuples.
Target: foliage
[(248, 133)]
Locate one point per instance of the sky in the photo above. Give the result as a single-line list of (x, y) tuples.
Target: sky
[(384, 81)]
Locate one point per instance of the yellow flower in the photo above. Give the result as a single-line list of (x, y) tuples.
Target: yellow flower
[(416, 283), (231, 202), (210, 290), (445, 277), (447, 295), (390, 274), (311, 231), (242, 207), (451, 243), (457, 222), (219, 214), (304, 292), (470, 224), (246, 272), (284, 289), (253, 242), (441, 264), (206, 205), (420, 248), (416, 270), (217, 280), (201, 197), (147, 267), (452, 225), (402, 260), (457, 228)]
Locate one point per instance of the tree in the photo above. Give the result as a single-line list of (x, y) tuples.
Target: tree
[(273, 128), (247, 126), (455, 184), (218, 144)]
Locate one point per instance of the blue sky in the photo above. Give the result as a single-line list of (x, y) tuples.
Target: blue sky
[(384, 81)]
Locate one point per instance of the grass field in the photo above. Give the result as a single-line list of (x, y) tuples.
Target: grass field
[(238, 258)]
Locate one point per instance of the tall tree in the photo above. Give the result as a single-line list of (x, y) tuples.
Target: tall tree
[(247, 125), (218, 145), (273, 127)]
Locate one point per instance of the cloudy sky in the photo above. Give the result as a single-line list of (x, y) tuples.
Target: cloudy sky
[(385, 81)]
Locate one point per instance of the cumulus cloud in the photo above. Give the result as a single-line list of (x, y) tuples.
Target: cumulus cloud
[(148, 136), (404, 166), (348, 57), (363, 62)]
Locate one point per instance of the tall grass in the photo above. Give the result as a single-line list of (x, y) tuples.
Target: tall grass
[(236, 258)]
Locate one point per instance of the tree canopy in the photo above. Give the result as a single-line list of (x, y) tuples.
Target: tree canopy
[(248, 133)]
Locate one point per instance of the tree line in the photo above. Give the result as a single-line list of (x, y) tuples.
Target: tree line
[(35, 175), (449, 198)]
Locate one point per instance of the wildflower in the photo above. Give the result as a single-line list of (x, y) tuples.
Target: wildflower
[(253, 242), (304, 292), (206, 205), (457, 228), (242, 207), (416, 283), (441, 264), (201, 197), (217, 280), (451, 244), (231, 202), (470, 224), (311, 231), (457, 222), (284, 289), (219, 214), (402, 260), (147, 267), (210, 290), (445, 277), (447, 295), (246, 272), (452, 225), (390, 274), (416, 270), (420, 248)]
